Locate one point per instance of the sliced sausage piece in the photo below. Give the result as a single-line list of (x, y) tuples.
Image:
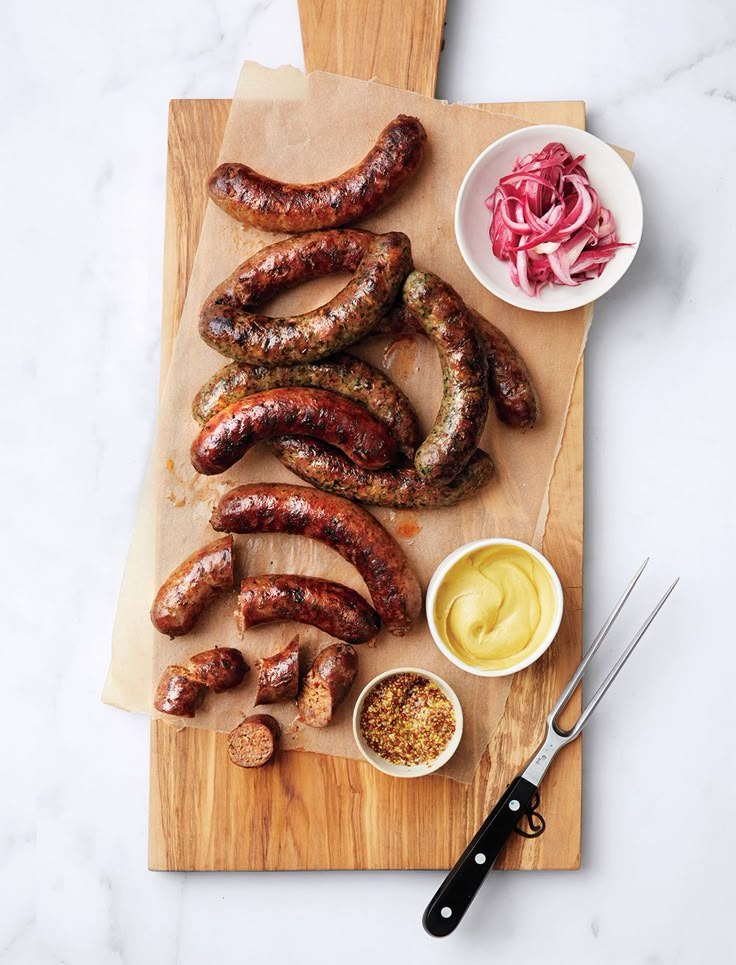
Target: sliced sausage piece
[(192, 586), (179, 692), (462, 415), (278, 675), (229, 328), (341, 373), (327, 684), (219, 669), (402, 488), (350, 530), (253, 743), (270, 205), (325, 415), (329, 606)]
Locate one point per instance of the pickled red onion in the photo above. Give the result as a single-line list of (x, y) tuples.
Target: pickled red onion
[(548, 222)]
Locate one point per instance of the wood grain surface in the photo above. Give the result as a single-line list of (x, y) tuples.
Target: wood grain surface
[(310, 811)]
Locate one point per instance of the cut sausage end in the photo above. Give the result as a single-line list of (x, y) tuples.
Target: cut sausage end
[(254, 742)]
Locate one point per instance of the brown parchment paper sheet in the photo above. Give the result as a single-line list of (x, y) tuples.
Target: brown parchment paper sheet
[(305, 129)]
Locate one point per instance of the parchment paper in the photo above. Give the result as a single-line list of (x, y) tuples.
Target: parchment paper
[(304, 130)]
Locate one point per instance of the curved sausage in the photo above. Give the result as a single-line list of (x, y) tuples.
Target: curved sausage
[(510, 385), (179, 693), (329, 606), (278, 675), (254, 742), (327, 683), (192, 586), (462, 415), (219, 669), (288, 263), (181, 690), (403, 488), (255, 199), (350, 530), (230, 329), (315, 412), (341, 373)]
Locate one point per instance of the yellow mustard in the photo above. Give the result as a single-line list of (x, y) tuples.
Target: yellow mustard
[(495, 606)]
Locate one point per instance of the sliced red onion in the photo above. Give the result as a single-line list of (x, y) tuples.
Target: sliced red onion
[(548, 223)]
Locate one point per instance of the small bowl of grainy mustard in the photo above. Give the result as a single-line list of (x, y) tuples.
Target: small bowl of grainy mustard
[(407, 722)]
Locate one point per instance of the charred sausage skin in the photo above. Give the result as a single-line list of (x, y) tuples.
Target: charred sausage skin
[(462, 415), (314, 412), (350, 530), (227, 326), (270, 205), (401, 488), (329, 606), (342, 373), (278, 675), (219, 669), (327, 684), (192, 586)]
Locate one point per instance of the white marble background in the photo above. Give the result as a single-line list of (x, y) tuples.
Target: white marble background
[(84, 89)]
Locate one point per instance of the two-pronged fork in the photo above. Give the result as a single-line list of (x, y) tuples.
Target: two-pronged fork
[(452, 900)]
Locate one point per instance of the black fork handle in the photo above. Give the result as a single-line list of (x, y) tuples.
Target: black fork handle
[(446, 909)]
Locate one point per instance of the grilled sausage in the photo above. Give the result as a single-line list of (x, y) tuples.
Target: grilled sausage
[(181, 690), (255, 199), (341, 373), (179, 693), (329, 606), (314, 412), (509, 382), (347, 528), (327, 683), (254, 742), (219, 669), (278, 675), (228, 327), (462, 415), (403, 488), (192, 586)]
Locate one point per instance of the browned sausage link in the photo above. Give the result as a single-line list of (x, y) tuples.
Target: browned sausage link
[(329, 606), (254, 742), (509, 382), (462, 415), (276, 206), (229, 328), (278, 675), (219, 669), (179, 693), (290, 262), (341, 373), (347, 528), (327, 683), (192, 586), (327, 469), (313, 412)]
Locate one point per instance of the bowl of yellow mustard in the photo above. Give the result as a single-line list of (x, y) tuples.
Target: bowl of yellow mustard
[(494, 606)]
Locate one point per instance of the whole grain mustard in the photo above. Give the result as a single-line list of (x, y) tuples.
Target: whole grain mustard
[(495, 606)]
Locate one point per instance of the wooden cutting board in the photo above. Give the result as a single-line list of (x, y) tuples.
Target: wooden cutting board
[(309, 811)]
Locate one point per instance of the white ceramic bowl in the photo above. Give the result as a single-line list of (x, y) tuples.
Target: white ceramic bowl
[(610, 176), (404, 770), (439, 575)]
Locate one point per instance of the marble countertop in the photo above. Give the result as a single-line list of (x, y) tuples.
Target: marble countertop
[(85, 90)]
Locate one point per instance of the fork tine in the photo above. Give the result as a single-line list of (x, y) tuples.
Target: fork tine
[(567, 693), (613, 673)]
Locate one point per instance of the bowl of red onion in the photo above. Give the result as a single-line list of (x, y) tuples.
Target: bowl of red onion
[(548, 218)]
